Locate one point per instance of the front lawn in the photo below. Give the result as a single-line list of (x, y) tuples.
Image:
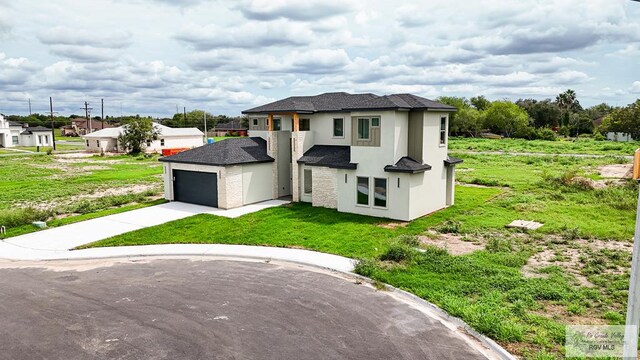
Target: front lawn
[(521, 289)]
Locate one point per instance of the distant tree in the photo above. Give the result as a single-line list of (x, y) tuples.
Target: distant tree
[(624, 120), (505, 117), (194, 118), (457, 102), (598, 111), (568, 102), (480, 102), (136, 133), (544, 113)]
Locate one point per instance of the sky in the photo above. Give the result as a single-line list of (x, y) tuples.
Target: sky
[(150, 57)]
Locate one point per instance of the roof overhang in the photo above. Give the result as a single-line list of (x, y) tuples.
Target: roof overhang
[(350, 166), (452, 161), (165, 159), (393, 168)]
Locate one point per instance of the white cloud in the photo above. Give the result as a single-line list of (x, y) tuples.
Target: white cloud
[(301, 10), (635, 87)]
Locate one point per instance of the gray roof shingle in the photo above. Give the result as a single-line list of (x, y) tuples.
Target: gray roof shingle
[(225, 152), (31, 130), (342, 101), (407, 164), (332, 156)]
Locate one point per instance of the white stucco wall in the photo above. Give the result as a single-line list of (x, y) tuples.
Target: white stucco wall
[(256, 186), (324, 187), (36, 139), (397, 196), (321, 125), (176, 142), (102, 144)]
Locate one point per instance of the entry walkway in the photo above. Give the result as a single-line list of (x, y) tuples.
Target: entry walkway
[(50, 243)]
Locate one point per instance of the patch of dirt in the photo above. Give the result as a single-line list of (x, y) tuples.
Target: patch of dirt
[(569, 255), (73, 155), (393, 225), (596, 184), (616, 171), (560, 314), (453, 243)]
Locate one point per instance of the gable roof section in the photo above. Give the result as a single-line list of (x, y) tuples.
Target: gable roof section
[(164, 132), (407, 164), (31, 130), (224, 153), (332, 156), (342, 101)]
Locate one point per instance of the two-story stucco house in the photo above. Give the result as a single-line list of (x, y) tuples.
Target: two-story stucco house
[(16, 134), (375, 155)]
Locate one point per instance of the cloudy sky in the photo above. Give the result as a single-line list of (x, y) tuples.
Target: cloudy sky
[(149, 56)]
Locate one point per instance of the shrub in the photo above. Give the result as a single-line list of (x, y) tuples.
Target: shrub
[(598, 136), (366, 267), (398, 252), (409, 240), (495, 245), (449, 227), (49, 151), (23, 216), (546, 134)]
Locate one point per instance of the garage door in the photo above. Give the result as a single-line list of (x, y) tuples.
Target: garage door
[(195, 187)]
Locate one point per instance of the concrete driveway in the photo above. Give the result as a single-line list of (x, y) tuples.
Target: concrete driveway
[(197, 309), (61, 239)]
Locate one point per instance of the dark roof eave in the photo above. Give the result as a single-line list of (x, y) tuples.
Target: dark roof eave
[(392, 168), (451, 161), (350, 166), (278, 112), (163, 159)]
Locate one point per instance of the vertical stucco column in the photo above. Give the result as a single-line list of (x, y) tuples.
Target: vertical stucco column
[(272, 150), (297, 150), (451, 185)]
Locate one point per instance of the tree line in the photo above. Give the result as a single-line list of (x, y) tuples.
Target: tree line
[(539, 119)]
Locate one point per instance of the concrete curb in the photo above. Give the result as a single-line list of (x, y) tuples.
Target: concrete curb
[(315, 259)]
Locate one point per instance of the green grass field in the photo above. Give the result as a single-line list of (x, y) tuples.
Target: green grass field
[(58, 135), (561, 146), (582, 277), (45, 187)]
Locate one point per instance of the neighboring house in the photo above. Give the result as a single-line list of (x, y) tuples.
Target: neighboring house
[(375, 155), (169, 138), (81, 127), (222, 129), (16, 134), (618, 136)]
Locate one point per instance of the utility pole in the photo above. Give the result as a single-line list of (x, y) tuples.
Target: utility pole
[(102, 112), (205, 127), (53, 127), (87, 110), (29, 106), (184, 116)]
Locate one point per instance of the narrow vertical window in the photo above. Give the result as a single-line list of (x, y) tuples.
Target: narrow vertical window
[(308, 181), (276, 125), (255, 122), (363, 191), (338, 127), (363, 129), (443, 130), (161, 142), (305, 125), (380, 192)]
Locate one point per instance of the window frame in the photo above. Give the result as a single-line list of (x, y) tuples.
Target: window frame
[(255, 122), (368, 127), (277, 121), (334, 128), (98, 143), (368, 204), (148, 142), (443, 130), (15, 140), (386, 193), (378, 120), (307, 174), (161, 142)]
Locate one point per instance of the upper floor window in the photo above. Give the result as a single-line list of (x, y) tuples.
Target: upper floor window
[(443, 130), (375, 122), (305, 125), (276, 125), (364, 127), (338, 127)]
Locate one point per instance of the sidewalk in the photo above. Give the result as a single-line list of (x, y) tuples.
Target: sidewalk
[(57, 241)]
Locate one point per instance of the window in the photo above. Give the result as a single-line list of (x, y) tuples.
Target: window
[(14, 140), (276, 125), (443, 130), (87, 143), (148, 142), (363, 129), (40, 139), (338, 127), (255, 122), (308, 181), (362, 191), (375, 122), (46, 139), (161, 142), (305, 125), (98, 143), (380, 192)]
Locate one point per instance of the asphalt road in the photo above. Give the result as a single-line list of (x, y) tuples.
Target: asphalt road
[(183, 309)]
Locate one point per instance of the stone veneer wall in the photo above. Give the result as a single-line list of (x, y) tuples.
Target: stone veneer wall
[(325, 187), (231, 189)]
